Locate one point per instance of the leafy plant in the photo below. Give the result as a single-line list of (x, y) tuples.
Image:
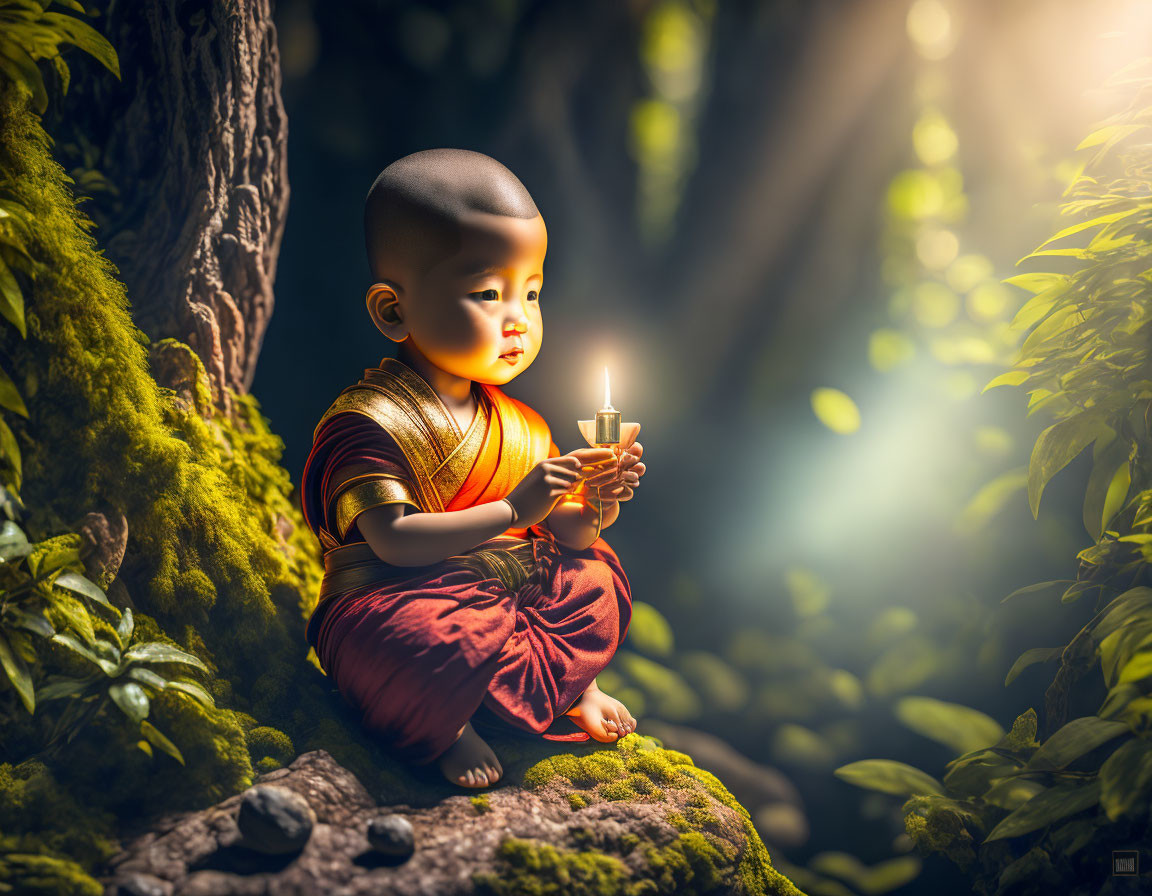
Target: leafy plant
[(127, 679), (1088, 362), (29, 32), (31, 577)]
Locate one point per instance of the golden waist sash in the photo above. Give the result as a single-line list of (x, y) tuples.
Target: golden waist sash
[(353, 565)]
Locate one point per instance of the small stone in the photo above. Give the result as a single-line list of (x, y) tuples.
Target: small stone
[(392, 835), (274, 820), (134, 883)]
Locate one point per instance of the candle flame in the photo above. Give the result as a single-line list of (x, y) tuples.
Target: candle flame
[(607, 390)]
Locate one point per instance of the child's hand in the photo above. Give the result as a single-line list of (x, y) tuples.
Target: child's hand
[(627, 480), (551, 479)]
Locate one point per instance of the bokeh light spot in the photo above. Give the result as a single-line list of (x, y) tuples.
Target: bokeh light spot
[(836, 410), (889, 348), (930, 27), (935, 305), (934, 139), (937, 249)]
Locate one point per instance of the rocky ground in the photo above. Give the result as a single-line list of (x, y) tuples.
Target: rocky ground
[(630, 818)]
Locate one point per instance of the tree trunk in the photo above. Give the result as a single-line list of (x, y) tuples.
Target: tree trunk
[(195, 142)]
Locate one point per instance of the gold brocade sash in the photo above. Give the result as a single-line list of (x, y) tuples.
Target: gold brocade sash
[(352, 565), (398, 400)]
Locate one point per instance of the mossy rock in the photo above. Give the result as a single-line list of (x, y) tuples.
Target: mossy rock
[(679, 832)]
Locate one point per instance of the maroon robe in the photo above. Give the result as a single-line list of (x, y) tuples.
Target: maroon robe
[(419, 656)]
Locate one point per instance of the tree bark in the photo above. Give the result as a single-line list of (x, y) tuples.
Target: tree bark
[(195, 141)]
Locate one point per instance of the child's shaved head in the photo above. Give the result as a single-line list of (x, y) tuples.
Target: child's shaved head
[(412, 212)]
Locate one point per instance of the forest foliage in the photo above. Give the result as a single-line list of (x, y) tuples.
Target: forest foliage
[(1022, 811)]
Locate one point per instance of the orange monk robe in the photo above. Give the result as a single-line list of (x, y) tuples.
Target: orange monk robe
[(516, 628)]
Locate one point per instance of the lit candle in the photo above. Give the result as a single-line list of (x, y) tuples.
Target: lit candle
[(607, 418)]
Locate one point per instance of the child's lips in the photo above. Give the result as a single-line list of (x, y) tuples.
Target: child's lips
[(512, 355)]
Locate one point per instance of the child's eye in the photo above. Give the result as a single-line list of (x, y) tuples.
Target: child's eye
[(488, 295), (533, 296)]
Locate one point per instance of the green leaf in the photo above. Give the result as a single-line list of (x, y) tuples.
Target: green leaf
[(1029, 658), (12, 301), (890, 874), (157, 739), (889, 776), (1036, 282), (194, 691), (1126, 779), (148, 677), (1034, 310), (131, 699), (1056, 447), (1104, 470), (155, 652), (13, 542), (60, 687), (1077, 738), (1120, 610), (10, 451), (32, 622), (76, 647), (1032, 589), (79, 584), (1117, 494), (17, 672), (1044, 808), (55, 557), (87, 38), (973, 773), (76, 617), (1112, 133), (125, 626), (1013, 792), (1008, 378), (1138, 668), (1092, 222), (21, 68), (960, 727)]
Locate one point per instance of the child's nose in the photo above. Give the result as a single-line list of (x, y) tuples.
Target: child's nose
[(516, 326)]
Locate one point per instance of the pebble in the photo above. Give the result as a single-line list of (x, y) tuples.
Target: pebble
[(392, 835), (274, 820)]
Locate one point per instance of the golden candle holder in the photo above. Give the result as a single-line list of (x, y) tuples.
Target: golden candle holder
[(606, 431)]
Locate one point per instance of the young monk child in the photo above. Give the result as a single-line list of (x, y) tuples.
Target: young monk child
[(464, 574)]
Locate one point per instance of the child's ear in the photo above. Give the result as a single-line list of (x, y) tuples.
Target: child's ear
[(384, 306)]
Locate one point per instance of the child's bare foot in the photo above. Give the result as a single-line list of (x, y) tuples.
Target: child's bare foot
[(603, 717), (470, 762)]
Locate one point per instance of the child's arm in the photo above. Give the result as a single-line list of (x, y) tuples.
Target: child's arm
[(420, 539)]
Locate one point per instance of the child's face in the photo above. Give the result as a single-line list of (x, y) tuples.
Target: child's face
[(469, 312)]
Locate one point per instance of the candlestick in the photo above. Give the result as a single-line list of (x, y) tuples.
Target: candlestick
[(607, 418)]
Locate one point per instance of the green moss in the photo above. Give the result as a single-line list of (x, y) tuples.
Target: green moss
[(205, 497), (268, 764), (40, 814), (264, 741), (530, 868), (577, 800), (480, 801), (37, 874), (701, 818), (635, 758), (689, 864), (754, 869)]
